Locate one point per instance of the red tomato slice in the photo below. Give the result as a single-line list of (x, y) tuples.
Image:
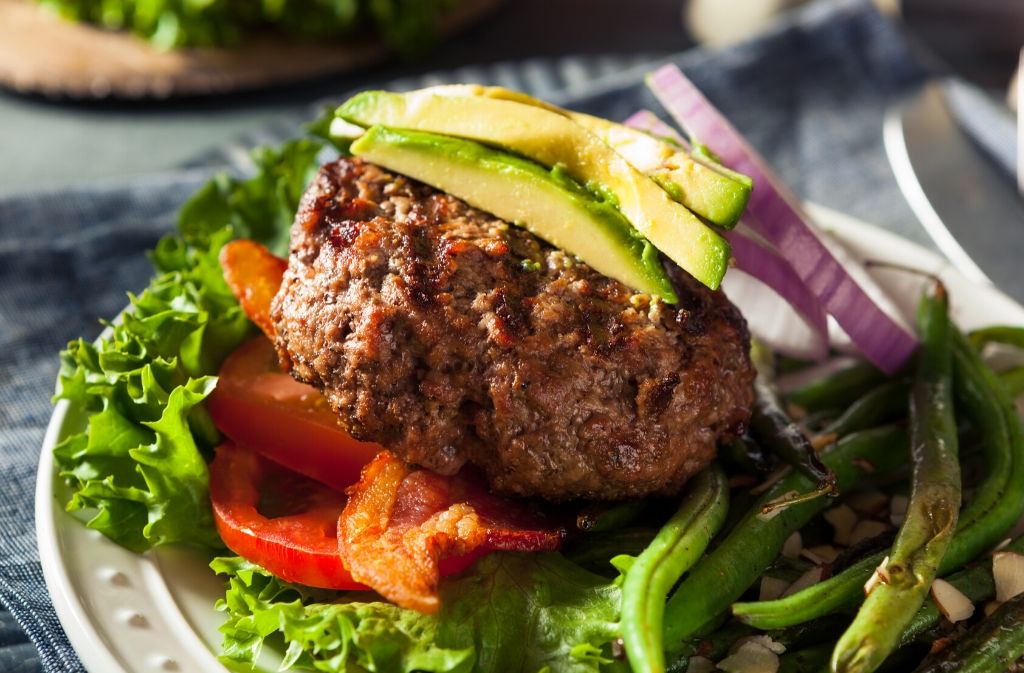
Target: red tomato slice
[(261, 407), (285, 522), (295, 535)]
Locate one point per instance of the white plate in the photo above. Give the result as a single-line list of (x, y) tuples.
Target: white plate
[(149, 613)]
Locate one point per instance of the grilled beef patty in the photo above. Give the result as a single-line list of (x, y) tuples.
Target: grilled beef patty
[(453, 337)]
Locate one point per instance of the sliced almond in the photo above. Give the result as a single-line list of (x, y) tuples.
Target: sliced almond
[(951, 602), (700, 665), (880, 576), (793, 545), (764, 641), (771, 588), (825, 553), (898, 509), (1008, 573), (991, 607), (843, 519), (938, 645), (809, 578), (871, 503), (812, 556), (750, 657), (867, 529)]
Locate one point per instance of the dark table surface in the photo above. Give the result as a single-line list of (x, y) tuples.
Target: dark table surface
[(59, 142)]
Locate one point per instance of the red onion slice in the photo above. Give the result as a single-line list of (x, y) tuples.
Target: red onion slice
[(774, 212)]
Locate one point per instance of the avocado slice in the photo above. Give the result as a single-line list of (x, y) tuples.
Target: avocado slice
[(553, 139), (709, 189), (546, 202)]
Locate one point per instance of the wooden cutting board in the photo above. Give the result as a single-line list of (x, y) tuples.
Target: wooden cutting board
[(42, 53)]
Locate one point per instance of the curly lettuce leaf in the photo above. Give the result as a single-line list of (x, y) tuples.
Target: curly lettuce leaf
[(513, 612), (139, 466)]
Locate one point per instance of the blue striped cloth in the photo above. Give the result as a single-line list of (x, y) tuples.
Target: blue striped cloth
[(811, 94)]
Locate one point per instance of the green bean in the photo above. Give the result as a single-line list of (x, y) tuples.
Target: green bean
[(884, 404), (604, 517), (1000, 334), (999, 501), (724, 574), (975, 582), (991, 646), (931, 518), (997, 505), (1013, 381), (839, 390), (650, 577), (777, 433), (820, 599)]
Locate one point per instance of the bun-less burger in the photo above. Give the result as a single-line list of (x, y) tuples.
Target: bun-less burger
[(458, 301), (477, 288)]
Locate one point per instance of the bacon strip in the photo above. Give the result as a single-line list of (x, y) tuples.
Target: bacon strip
[(254, 276), (400, 523)]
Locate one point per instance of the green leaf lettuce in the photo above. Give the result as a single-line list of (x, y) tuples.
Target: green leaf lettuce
[(511, 612)]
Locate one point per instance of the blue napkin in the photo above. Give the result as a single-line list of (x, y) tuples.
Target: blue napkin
[(810, 94)]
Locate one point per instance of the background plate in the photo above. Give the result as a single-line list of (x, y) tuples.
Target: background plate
[(152, 613)]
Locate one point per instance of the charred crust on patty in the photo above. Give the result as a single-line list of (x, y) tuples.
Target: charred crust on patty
[(452, 337)]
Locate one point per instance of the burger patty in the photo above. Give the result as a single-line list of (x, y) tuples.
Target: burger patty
[(451, 337)]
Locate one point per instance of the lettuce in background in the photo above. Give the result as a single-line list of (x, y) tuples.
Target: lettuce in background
[(408, 26)]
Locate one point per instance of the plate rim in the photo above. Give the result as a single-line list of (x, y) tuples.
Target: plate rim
[(92, 646)]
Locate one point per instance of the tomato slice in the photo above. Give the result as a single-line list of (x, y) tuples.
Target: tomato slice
[(285, 522), (295, 536), (259, 406)]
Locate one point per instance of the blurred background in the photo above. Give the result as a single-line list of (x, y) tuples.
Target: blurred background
[(61, 123)]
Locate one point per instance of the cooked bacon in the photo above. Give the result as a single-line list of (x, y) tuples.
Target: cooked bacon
[(254, 276), (400, 523)]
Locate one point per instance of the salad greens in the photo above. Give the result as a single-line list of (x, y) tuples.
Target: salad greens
[(514, 612), (139, 464), (408, 26)]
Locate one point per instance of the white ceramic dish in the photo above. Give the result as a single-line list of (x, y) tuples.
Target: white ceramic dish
[(150, 613)]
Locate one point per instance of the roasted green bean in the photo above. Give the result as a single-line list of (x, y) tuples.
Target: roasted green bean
[(1000, 334), (817, 600), (724, 574), (839, 390), (1013, 381), (777, 433), (991, 646), (931, 518), (975, 582), (884, 404), (998, 501), (652, 574)]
